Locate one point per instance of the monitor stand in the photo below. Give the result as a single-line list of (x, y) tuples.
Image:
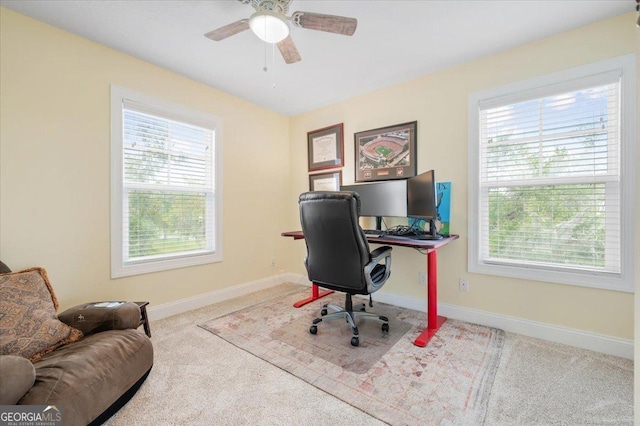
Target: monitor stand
[(378, 223), (432, 234)]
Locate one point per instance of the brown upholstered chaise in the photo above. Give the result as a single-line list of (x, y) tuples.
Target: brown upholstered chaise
[(91, 377)]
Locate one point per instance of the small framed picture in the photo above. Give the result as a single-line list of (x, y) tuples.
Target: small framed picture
[(330, 181), (326, 148), (386, 153)]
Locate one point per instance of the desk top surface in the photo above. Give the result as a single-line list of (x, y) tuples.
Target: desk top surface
[(392, 240)]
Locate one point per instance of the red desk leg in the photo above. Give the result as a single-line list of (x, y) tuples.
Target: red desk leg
[(434, 322), (315, 295)]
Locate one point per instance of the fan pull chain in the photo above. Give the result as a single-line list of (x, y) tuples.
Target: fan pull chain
[(265, 48), (273, 65), (265, 69)]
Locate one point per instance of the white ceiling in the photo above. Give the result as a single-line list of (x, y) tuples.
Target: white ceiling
[(395, 40)]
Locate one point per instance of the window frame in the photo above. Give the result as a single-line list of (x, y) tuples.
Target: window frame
[(624, 281), (170, 110)]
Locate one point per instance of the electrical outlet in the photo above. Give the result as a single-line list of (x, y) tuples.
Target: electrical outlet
[(273, 262), (422, 278), (463, 284)]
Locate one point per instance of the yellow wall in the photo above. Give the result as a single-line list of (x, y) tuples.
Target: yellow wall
[(55, 167), (439, 103)]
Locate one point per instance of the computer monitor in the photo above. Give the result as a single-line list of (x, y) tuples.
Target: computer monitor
[(381, 199), (422, 200)]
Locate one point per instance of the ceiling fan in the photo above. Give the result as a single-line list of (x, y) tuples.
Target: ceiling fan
[(269, 23)]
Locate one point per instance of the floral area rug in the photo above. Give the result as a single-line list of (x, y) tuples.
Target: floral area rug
[(448, 382)]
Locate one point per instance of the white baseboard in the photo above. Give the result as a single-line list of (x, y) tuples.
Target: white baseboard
[(565, 335), (202, 300), (402, 301), (568, 336)]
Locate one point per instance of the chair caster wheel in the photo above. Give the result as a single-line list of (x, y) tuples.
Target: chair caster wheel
[(313, 329), (355, 341), (323, 312), (385, 327)]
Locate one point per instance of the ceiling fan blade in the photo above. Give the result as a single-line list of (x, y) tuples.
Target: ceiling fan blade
[(289, 51), (228, 30), (328, 23)]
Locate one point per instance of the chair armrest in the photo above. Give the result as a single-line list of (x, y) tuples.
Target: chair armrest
[(91, 319), (18, 376), (380, 253)]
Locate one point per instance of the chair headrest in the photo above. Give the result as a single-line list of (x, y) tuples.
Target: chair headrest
[(327, 195), (331, 195)]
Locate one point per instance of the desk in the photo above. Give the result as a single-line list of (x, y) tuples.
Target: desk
[(434, 322)]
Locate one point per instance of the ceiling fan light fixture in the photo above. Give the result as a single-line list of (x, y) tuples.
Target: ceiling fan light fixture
[(269, 26)]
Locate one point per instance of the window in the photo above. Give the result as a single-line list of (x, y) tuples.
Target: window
[(551, 177), (166, 179)]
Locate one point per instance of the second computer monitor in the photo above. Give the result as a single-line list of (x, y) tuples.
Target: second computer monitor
[(421, 196), (381, 199)]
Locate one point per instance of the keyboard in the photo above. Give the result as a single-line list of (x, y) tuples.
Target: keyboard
[(373, 232), (412, 234)]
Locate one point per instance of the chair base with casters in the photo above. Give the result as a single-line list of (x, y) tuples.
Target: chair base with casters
[(350, 315)]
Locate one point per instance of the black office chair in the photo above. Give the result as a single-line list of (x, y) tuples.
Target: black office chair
[(338, 256)]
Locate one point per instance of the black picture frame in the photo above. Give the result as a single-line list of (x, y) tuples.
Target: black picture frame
[(330, 181), (386, 153), (325, 148)]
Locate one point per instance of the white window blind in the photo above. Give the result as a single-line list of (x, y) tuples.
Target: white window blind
[(165, 200), (550, 179), (168, 186)]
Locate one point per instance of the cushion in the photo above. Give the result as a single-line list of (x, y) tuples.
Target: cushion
[(28, 316), (18, 375), (86, 377), (92, 318)]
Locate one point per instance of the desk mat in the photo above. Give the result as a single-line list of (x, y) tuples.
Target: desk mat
[(447, 382)]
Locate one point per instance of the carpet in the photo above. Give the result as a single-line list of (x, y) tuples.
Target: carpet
[(575, 387), (446, 383)]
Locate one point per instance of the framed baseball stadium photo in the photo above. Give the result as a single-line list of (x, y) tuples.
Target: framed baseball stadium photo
[(386, 153), (326, 148)]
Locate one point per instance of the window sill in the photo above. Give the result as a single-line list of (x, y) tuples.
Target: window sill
[(614, 282), (125, 270)]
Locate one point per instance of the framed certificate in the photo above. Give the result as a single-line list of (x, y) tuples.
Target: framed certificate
[(325, 181), (326, 148)]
